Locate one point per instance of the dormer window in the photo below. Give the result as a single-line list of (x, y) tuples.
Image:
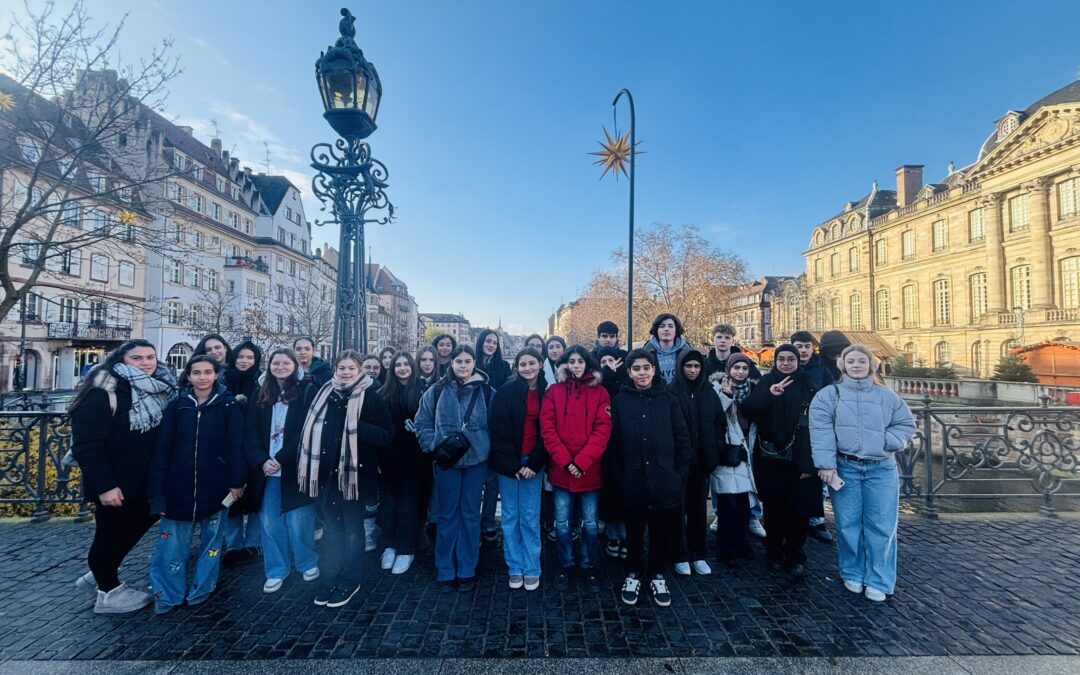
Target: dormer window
[(1008, 125)]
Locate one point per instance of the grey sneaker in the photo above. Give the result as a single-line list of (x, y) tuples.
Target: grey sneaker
[(121, 600), (87, 583)]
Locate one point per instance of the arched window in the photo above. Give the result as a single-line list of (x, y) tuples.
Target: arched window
[(978, 359), (179, 355), (910, 348), (1009, 345), (942, 357)]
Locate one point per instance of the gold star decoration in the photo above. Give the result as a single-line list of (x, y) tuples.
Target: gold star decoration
[(127, 217), (615, 154), (7, 102)]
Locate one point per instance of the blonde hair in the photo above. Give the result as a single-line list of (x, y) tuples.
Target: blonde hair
[(875, 362)]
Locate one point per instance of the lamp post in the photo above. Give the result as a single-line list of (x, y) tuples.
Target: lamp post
[(630, 270), (348, 178)]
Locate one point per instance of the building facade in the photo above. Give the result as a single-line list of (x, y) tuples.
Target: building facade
[(750, 312), (392, 295), (960, 271), (454, 325)]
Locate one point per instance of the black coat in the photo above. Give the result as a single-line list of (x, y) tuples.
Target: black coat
[(705, 419), (649, 447), (319, 373), (715, 365), (497, 370), (198, 456), (374, 430), (817, 373), (506, 425), (402, 459), (110, 454), (257, 448)]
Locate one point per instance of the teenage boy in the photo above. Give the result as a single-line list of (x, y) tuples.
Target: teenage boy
[(667, 344), (723, 339), (819, 377)]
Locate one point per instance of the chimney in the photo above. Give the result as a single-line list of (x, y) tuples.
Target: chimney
[(215, 146), (187, 130), (908, 183)]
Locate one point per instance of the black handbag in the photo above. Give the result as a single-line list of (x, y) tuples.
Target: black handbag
[(768, 450), (453, 446), (731, 454)]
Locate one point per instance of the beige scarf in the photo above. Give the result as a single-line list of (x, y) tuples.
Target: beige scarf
[(311, 439)]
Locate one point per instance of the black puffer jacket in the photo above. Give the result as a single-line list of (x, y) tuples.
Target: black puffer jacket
[(198, 457), (257, 448), (506, 425), (650, 447), (402, 458), (705, 417)]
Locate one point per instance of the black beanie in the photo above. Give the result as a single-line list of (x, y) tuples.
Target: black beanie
[(609, 327), (607, 351)]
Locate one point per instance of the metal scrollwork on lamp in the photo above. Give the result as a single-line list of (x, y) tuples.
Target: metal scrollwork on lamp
[(348, 179)]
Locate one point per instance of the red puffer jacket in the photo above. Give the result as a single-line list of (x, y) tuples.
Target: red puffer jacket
[(575, 423)]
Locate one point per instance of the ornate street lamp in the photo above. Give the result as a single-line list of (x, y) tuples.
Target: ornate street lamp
[(348, 178)]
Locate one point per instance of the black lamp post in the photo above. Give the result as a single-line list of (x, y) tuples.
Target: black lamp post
[(348, 178)]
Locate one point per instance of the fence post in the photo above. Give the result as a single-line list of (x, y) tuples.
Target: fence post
[(41, 514), (929, 509)]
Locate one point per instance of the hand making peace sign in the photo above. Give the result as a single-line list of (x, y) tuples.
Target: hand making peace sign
[(778, 388)]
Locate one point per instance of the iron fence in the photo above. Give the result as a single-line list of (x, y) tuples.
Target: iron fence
[(32, 471)]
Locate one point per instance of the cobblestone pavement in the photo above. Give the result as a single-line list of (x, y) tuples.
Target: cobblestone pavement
[(967, 588)]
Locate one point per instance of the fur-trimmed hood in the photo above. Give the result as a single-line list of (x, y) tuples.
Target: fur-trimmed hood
[(591, 378)]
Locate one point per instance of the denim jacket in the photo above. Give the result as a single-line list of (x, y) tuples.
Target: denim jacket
[(432, 424), (869, 421)]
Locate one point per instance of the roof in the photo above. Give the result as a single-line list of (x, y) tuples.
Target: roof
[(443, 318), (1070, 93), (1064, 344), (272, 189), (877, 344), (882, 202)]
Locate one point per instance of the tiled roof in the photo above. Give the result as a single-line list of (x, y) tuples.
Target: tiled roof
[(272, 189)]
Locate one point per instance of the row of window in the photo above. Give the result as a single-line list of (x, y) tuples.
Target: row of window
[(72, 310), (69, 262), (197, 202)]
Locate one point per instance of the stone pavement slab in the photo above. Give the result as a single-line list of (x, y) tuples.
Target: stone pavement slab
[(967, 588)]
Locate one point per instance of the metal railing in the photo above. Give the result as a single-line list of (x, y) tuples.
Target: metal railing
[(980, 453), (32, 472)]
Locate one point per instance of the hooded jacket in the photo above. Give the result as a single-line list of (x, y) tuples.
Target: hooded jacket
[(257, 447), (433, 424), (650, 448), (868, 421), (704, 416), (198, 456), (242, 384), (496, 368), (668, 358), (507, 427), (320, 372), (575, 423), (832, 343)]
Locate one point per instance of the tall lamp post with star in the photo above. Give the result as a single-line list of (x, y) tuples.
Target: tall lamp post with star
[(614, 154), (348, 179)]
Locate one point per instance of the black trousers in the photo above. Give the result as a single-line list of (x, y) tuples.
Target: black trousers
[(732, 534), (341, 558), (663, 527), (785, 529), (404, 507), (690, 543), (117, 529)]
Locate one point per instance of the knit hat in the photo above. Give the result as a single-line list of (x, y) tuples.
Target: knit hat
[(607, 351), (692, 355), (737, 357), (834, 341), (609, 327)]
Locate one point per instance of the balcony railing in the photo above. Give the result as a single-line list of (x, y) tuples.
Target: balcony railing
[(89, 331), (1072, 314), (246, 263)]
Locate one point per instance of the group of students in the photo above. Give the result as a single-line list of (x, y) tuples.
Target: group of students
[(568, 439)]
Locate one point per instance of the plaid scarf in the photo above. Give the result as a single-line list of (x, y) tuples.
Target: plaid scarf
[(740, 391), (149, 393), (311, 439)]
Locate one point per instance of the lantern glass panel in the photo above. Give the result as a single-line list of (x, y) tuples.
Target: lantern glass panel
[(361, 86), (371, 106), (339, 90)]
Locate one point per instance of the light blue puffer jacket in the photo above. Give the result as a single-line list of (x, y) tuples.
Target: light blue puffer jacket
[(869, 421)]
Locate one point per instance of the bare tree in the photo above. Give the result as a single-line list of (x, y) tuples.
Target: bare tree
[(68, 109), (233, 317), (310, 311), (675, 270)]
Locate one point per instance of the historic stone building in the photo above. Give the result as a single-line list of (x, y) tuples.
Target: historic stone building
[(750, 312), (432, 324), (962, 270)]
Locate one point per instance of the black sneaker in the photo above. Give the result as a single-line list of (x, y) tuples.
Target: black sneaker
[(592, 584), (624, 553), (491, 536), (822, 534), (630, 589), (562, 581), (323, 595), (612, 548), (660, 593), (342, 595), (446, 586), (466, 585)]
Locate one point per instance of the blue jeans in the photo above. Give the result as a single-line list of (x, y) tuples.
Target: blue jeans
[(867, 509), (282, 533), (457, 539), (564, 541), (521, 523), (242, 532), (168, 567)]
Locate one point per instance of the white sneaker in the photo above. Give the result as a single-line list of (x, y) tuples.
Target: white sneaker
[(712, 525), (516, 581), (388, 556), (660, 593), (121, 600), (273, 585), (853, 586), (701, 567), (757, 529), (630, 590), (87, 583), (532, 583), (682, 568), (312, 574), (402, 564), (875, 595)]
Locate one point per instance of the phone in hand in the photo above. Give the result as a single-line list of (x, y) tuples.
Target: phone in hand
[(836, 483), (409, 426), (229, 500)]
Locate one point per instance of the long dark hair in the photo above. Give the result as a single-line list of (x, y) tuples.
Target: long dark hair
[(479, 349), (460, 349), (237, 380), (435, 359), (406, 397), (655, 327), (200, 349), (271, 391), (541, 379), (591, 366), (111, 359), (543, 345), (557, 338), (439, 338)]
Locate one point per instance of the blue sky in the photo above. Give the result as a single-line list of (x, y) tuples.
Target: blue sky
[(758, 120)]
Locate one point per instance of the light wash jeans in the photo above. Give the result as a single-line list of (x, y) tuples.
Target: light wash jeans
[(521, 523), (457, 539), (284, 533), (867, 509), (242, 532), (168, 567), (564, 539)]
